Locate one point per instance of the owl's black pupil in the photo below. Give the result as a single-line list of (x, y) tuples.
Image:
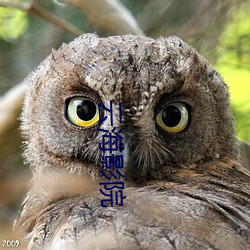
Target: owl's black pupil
[(86, 110), (171, 116)]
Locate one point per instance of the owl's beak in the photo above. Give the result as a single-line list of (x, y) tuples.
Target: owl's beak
[(128, 155)]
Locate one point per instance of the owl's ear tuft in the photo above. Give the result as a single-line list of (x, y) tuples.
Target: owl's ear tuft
[(192, 68)]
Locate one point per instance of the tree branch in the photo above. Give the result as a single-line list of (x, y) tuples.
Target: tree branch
[(110, 15), (14, 5), (36, 10)]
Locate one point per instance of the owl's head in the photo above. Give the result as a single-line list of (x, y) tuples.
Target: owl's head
[(174, 107)]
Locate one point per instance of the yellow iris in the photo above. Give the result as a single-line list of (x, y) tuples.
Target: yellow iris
[(173, 118), (82, 112)]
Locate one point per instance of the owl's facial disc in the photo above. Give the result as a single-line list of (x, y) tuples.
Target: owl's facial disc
[(170, 117)]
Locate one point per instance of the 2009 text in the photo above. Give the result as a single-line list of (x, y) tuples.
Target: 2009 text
[(11, 243)]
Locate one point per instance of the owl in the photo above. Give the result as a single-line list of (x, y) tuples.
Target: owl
[(150, 117)]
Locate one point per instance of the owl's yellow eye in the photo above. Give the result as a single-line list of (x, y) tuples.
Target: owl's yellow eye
[(82, 112), (173, 118)]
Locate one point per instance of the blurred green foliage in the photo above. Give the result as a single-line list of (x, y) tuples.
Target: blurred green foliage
[(13, 23), (233, 62)]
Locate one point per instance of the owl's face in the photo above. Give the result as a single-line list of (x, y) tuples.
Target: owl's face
[(174, 107)]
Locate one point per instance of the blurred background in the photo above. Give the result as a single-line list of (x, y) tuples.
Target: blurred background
[(219, 30)]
